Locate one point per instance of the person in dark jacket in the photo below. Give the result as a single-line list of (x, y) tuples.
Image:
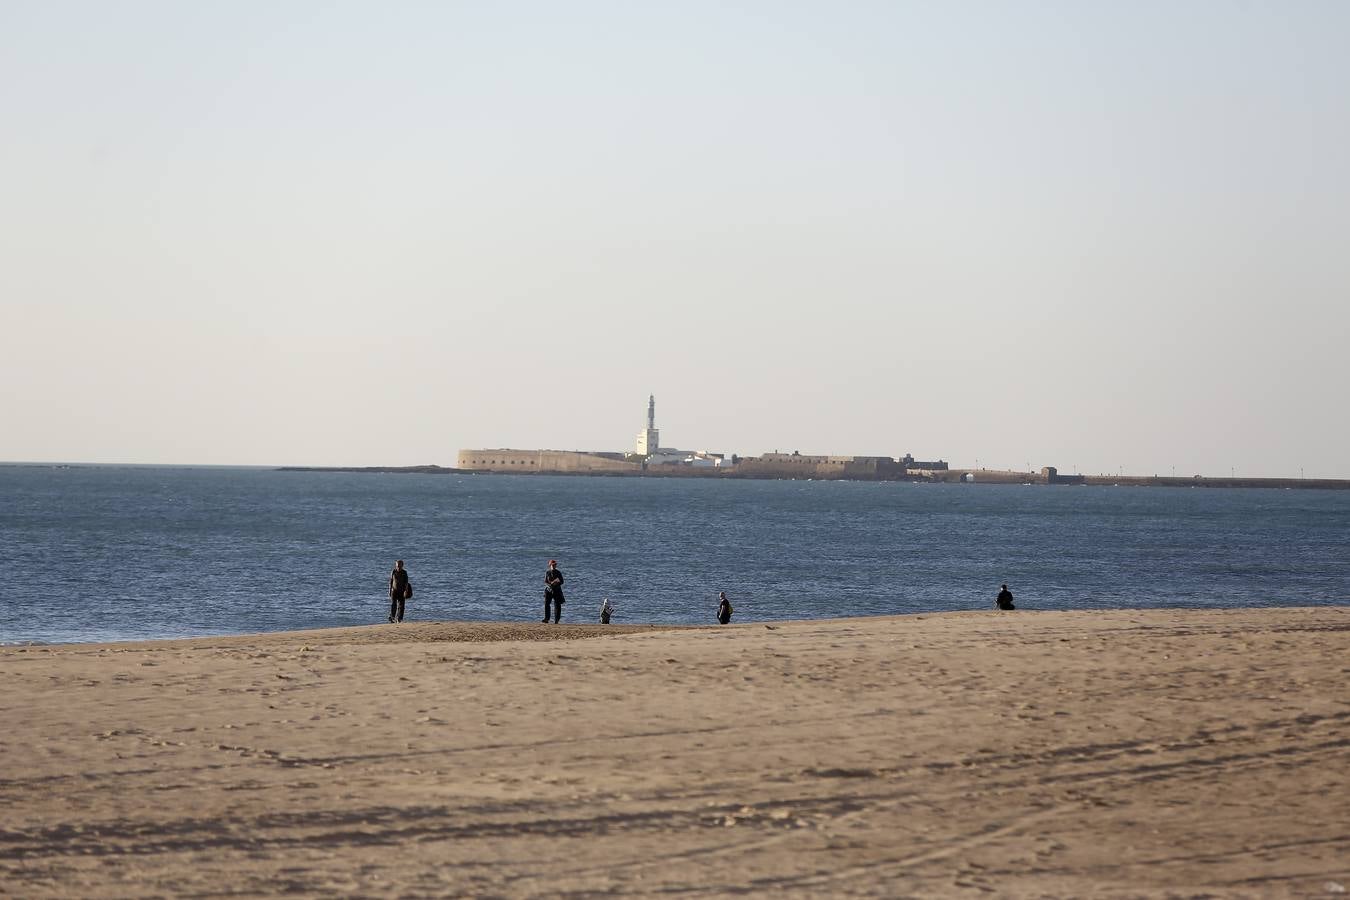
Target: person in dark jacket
[(400, 589), (724, 609), (553, 591), (1004, 599)]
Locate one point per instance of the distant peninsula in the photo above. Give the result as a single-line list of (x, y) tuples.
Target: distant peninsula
[(1048, 475), (649, 459)]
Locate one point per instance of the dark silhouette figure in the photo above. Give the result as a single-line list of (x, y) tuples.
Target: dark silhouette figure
[(1004, 599), (400, 589), (553, 591), (606, 611), (724, 609)]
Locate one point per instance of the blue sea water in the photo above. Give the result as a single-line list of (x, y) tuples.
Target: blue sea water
[(106, 553)]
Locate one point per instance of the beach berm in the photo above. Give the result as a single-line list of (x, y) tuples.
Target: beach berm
[(1126, 753)]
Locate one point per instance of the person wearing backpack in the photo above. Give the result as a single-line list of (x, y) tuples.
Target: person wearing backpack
[(400, 589), (724, 609)]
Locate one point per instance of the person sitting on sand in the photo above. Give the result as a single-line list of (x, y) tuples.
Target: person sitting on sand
[(400, 589), (606, 610), (1004, 599), (724, 609), (553, 592)]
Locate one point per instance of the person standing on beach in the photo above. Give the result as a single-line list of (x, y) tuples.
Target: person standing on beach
[(724, 609), (553, 592), (1004, 599), (606, 610), (400, 589)]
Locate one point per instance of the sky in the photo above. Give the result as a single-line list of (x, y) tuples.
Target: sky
[(1100, 236)]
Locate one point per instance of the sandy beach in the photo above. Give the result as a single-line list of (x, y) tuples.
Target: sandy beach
[(1028, 754)]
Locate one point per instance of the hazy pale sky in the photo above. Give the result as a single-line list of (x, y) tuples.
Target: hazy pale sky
[(1092, 235)]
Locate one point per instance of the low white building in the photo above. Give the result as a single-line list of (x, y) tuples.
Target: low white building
[(667, 456), (706, 459)]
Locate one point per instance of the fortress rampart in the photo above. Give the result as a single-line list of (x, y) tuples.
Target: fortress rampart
[(796, 465), (770, 465), (554, 461)]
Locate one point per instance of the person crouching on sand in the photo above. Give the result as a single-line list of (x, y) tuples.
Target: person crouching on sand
[(1004, 599), (724, 609)]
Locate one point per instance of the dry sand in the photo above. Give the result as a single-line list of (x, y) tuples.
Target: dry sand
[(1060, 754)]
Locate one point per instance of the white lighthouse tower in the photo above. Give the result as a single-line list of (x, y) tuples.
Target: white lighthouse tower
[(649, 438)]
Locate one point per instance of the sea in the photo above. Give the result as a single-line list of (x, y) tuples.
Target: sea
[(103, 553)]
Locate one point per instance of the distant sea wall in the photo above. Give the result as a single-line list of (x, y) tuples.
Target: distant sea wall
[(1003, 476)]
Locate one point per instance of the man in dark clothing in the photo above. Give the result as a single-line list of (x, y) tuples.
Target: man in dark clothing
[(400, 589), (1005, 599), (553, 592), (723, 608)]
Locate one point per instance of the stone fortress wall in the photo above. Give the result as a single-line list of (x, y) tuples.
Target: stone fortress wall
[(652, 459), (769, 465), (570, 462), (797, 465)]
